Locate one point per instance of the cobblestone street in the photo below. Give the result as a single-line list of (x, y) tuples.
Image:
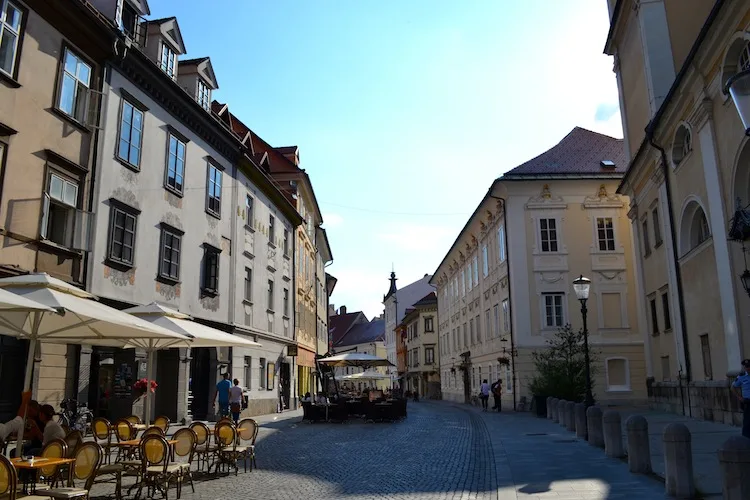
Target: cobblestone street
[(440, 451)]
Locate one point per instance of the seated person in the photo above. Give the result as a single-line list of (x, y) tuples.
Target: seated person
[(322, 399), (15, 426), (52, 429), (307, 398)]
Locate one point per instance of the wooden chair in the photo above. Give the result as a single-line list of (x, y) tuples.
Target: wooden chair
[(88, 459), (228, 451), (247, 434), (204, 450), (101, 428), (57, 448), (73, 439), (134, 419), (124, 431), (8, 479), (162, 423), (157, 472), (153, 430), (184, 450)]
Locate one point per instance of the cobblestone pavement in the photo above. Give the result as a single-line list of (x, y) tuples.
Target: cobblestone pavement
[(440, 451)]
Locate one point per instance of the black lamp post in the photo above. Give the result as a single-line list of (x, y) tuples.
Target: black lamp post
[(581, 286)]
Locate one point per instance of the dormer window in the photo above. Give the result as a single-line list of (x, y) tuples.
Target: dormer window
[(168, 60), (204, 95)]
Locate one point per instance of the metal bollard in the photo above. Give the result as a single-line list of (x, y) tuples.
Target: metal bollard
[(570, 422), (612, 430), (639, 450), (561, 407), (678, 461), (734, 461), (594, 424), (579, 415), (553, 410), (549, 407)]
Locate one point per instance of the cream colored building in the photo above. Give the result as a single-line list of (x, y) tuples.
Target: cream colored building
[(505, 286), (422, 350), (686, 172)]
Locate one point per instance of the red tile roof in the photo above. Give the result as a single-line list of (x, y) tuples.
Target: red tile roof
[(578, 153)]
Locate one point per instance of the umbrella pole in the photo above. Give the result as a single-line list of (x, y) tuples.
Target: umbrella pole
[(149, 376), (27, 382)]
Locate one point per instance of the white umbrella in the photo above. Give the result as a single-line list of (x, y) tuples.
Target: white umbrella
[(355, 359), (79, 319), (368, 375), (200, 335)]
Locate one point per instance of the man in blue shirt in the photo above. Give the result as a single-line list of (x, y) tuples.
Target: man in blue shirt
[(741, 387), (222, 393)]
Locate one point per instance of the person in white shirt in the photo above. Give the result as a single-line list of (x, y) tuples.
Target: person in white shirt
[(15, 426), (484, 393), (52, 429), (235, 400)]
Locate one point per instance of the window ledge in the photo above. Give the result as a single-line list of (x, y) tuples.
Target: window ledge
[(620, 390), (174, 191), (9, 80), (127, 164), (65, 116), (59, 249), (286, 256), (271, 268), (658, 244), (167, 280), (119, 265), (270, 311), (250, 228), (213, 214), (247, 302), (248, 254), (668, 330), (205, 292), (272, 244), (285, 317)]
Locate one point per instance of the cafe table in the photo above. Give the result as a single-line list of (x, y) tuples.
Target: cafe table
[(31, 469)]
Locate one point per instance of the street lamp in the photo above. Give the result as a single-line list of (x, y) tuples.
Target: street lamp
[(581, 287)]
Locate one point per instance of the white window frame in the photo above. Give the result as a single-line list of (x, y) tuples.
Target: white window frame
[(564, 315), (214, 183), (463, 282), (270, 295), (556, 241), (14, 30), (249, 204), (501, 243), (127, 136), (248, 291), (506, 315), (168, 66), (50, 199), (475, 264), (496, 312), (204, 95), (508, 380), (617, 388), (606, 240), (177, 159), (485, 262), (80, 104)]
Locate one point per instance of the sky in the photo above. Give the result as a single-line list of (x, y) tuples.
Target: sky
[(404, 112)]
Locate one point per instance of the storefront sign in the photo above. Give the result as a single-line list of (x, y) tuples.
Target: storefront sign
[(291, 350)]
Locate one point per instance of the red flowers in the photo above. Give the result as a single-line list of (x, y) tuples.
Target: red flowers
[(143, 384)]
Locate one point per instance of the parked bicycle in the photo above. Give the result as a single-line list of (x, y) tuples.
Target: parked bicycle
[(75, 416)]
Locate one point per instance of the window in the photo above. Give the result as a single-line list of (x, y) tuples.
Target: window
[(665, 310), (699, 231), (605, 233), (708, 370), (168, 60), (213, 191), (171, 241), (471, 331), (553, 310), (455, 344), (548, 234), (262, 373), (59, 210), (463, 283), (506, 316), (485, 263), (475, 263), (487, 324), (646, 243), (131, 133), (682, 145), (428, 326), (429, 355), (74, 86), (496, 312), (743, 61), (286, 242), (665, 370), (204, 95), (508, 379), (122, 226), (466, 335), (468, 277), (10, 32), (248, 284), (248, 372), (271, 229), (286, 302), (478, 325), (654, 318), (270, 295), (211, 270), (249, 210), (618, 374), (657, 227), (176, 164), (501, 243)]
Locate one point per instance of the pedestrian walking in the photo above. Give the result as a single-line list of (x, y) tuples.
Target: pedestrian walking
[(497, 394), (235, 400), (484, 394), (222, 394), (741, 387)]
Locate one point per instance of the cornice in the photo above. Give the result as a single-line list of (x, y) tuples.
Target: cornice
[(701, 113), (633, 212)]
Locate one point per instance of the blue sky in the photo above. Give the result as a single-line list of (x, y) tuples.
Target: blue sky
[(404, 111)]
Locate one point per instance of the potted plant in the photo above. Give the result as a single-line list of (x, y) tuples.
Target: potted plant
[(503, 360), (143, 385)]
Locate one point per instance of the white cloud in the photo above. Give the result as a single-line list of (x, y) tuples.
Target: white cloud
[(332, 220)]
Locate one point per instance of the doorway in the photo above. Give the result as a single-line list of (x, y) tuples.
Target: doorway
[(13, 354), (285, 385), (202, 381)]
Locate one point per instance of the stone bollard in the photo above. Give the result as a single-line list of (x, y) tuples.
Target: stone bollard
[(734, 460), (570, 414), (580, 420), (678, 461), (594, 424), (553, 410), (549, 407), (612, 430), (639, 451), (561, 407)]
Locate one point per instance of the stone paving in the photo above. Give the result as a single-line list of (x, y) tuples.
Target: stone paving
[(440, 451)]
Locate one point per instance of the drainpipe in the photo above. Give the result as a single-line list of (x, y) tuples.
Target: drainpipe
[(510, 295), (678, 277)]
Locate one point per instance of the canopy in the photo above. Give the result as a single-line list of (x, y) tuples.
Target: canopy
[(200, 335), (355, 359), (368, 375)]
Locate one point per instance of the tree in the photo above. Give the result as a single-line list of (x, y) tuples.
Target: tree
[(561, 367)]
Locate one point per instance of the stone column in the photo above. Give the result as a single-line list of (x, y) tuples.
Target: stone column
[(639, 451), (549, 407), (570, 422), (595, 431), (580, 420), (561, 409), (552, 409), (734, 460), (612, 428), (678, 461)]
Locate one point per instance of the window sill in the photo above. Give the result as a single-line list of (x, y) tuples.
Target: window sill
[(213, 214), (209, 293), (286, 256), (270, 311), (621, 390), (65, 116), (658, 244), (120, 266), (285, 317), (167, 280), (247, 302), (646, 255), (127, 164), (248, 254), (272, 245), (250, 228), (271, 268), (9, 80), (667, 330), (174, 191), (59, 249)]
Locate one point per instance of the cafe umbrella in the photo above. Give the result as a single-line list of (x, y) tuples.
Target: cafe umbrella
[(354, 359)]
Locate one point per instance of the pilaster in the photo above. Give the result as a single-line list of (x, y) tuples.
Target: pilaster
[(640, 290)]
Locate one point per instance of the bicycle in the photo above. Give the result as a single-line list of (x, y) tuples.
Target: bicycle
[(75, 416)]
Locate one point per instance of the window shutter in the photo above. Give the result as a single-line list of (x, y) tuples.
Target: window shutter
[(94, 101), (45, 217), (82, 230)]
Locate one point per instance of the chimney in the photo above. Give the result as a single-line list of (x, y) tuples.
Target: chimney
[(342, 310)]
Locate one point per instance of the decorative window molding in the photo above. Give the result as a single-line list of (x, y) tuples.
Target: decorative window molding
[(609, 364)]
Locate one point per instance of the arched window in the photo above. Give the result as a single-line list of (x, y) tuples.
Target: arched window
[(699, 228), (682, 144), (737, 56), (743, 61), (694, 228)]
